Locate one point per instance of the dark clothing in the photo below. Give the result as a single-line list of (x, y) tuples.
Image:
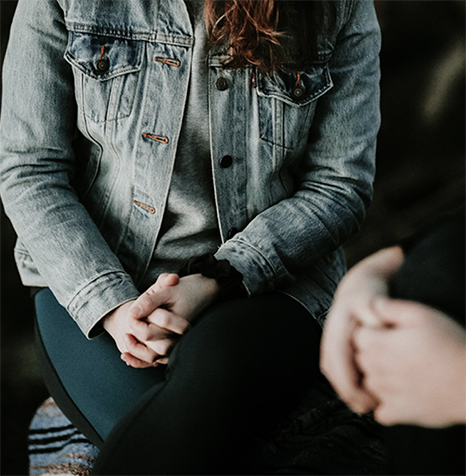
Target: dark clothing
[(241, 368), (433, 273), (414, 450)]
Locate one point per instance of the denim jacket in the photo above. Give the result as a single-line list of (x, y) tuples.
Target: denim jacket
[(93, 100)]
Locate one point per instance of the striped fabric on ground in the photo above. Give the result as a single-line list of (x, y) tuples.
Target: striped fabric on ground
[(56, 447)]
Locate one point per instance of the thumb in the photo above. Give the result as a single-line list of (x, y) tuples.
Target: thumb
[(146, 303), (155, 296), (166, 279)]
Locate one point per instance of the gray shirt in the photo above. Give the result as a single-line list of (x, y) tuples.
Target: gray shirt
[(190, 225)]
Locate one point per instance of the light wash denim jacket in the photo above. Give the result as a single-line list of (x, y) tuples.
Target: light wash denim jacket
[(87, 153)]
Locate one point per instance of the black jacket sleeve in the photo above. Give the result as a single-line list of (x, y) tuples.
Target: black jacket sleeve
[(433, 271)]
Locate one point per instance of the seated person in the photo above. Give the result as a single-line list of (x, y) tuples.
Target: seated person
[(394, 343)]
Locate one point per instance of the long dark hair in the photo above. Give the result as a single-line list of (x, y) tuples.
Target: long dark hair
[(269, 34)]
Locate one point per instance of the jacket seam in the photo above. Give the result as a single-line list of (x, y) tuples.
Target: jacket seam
[(76, 297), (349, 10), (130, 34)]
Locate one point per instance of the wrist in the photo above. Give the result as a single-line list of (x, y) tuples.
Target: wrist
[(211, 288), (207, 290), (229, 280), (109, 321)]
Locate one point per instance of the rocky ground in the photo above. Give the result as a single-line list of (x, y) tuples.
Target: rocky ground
[(420, 175)]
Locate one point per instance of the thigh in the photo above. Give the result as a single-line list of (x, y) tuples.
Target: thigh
[(87, 378), (259, 353), (266, 345), (243, 365)]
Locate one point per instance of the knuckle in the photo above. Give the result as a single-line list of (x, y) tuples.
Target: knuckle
[(144, 300), (156, 286), (129, 345)]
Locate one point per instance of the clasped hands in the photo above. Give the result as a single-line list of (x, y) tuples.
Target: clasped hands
[(146, 330), (403, 360)]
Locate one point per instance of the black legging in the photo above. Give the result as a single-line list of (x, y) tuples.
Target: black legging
[(243, 366)]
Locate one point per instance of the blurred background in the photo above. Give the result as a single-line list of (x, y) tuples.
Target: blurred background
[(420, 175)]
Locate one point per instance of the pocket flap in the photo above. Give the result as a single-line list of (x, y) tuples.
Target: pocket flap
[(103, 57), (298, 88)]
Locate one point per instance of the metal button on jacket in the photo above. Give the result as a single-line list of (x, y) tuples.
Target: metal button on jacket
[(102, 65), (231, 233), (221, 84), (226, 161), (298, 92)]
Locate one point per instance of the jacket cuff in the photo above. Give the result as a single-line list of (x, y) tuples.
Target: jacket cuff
[(98, 298), (258, 274)]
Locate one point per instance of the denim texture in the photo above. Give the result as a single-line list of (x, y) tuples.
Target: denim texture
[(86, 157)]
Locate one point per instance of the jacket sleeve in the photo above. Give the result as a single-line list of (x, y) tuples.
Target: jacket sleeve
[(336, 173), (433, 270), (38, 124)]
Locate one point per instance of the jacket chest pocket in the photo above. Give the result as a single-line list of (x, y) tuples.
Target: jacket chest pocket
[(106, 74), (287, 101)]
